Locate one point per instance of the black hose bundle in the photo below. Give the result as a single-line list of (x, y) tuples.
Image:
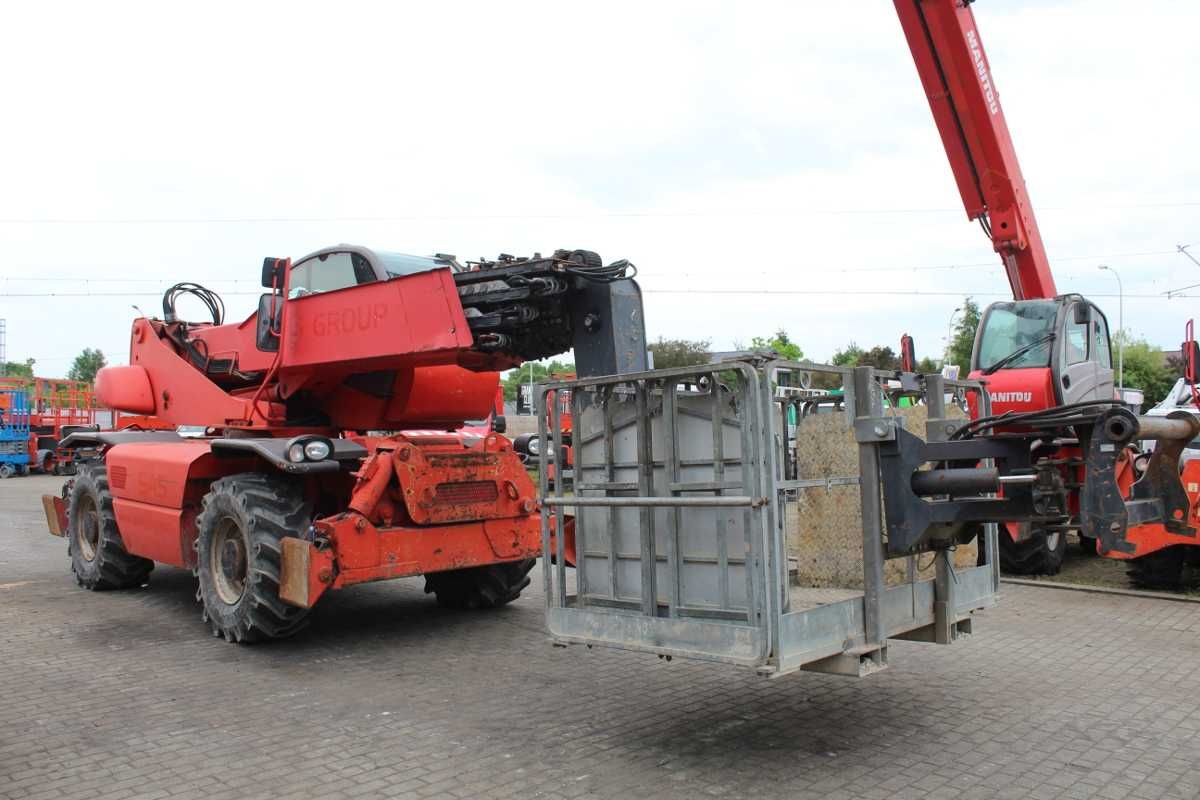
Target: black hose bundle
[(216, 306), (618, 270), (1059, 416)]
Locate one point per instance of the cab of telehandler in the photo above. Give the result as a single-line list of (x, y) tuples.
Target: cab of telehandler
[(1035, 354)]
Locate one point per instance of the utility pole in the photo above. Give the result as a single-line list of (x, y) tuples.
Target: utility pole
[(950, 336), (3, 347)]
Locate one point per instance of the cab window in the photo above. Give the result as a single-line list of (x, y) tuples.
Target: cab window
[(1009, 327), (1100, 337), (1076, 344), (327, 272)]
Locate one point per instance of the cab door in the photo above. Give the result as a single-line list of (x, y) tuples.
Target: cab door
[(1083, 360), (1075, 372), (1102, 348)]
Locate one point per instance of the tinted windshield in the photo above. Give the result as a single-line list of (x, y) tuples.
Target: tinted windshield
[(1008, 327), (398, 264), (328, 272)]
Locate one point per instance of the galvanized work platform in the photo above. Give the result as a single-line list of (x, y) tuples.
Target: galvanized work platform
[(681, 477)]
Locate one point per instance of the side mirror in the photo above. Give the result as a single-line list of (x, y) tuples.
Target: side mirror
[(499, 423), (908, 354), (1081, 315), (1191, 359), (270, 315), (273, 270)]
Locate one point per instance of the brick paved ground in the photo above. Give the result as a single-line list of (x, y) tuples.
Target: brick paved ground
[(1061, 694)]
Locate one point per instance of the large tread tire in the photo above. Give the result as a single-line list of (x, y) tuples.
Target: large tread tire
[(1039, 554), (1169, 569), (98, 555), (489, 586), (248, 514)]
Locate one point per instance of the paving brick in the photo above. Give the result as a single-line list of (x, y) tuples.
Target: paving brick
[(125, 694)]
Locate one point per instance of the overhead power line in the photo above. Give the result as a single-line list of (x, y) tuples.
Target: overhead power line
[(729, 212), (847, 269)]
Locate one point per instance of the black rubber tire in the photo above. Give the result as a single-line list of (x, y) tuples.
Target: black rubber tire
[(98, 556), (521, 443), (490, 586), (251, 511), (1033, 555), (1087, 547), (587, 258), (1171, 569)]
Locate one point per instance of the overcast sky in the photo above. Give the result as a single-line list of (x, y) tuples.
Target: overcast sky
[(765, 165)]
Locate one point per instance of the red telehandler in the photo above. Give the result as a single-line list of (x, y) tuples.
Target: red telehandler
[(1043, 350), (307, 479)]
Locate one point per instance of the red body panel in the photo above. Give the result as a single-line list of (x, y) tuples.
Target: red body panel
[(1015, 390), (156, 491), (182, 394), (421, 396), (402, 322), (236, 341), (1147, 539)]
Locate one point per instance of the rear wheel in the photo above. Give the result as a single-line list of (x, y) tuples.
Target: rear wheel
[(98, 555), (238, 556), (7, 470), (1040, 553), (489, 586), (1171, 569)]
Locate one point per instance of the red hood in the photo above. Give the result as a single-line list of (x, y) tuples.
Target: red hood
[(1016, 390)]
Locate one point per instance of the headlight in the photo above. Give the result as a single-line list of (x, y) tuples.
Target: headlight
[(317, 450), (295, 452), (535, 447)]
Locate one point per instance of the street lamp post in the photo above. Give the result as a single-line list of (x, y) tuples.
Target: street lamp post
[(950, 334), (1120, 327)]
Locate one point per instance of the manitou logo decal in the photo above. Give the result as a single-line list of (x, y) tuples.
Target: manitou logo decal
[(348, 320), (985, 80), (1011, 397)]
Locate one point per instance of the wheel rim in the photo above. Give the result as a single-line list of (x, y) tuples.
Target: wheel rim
[(6, 471), (1052, 540), (227, 561), (88, 528)]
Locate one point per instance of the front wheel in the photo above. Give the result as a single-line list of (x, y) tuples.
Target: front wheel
[(1171, 569), (489, 586), (1039, 553), (238, 556)]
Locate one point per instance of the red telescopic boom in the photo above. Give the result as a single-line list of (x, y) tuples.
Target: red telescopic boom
[(954, 72)]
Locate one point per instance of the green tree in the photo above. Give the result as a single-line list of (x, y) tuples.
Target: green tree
[(680, 352), (86, 365), (879, 357), (963, 340), (847, 356), (781, 343), (12, 369), (1145, 368), (541, 373)]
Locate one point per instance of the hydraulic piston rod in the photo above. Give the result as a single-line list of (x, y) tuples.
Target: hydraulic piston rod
[(1167, 427)]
